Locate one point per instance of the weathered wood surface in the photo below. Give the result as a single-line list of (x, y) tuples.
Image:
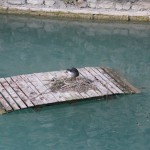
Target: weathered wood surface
[(23, 91)]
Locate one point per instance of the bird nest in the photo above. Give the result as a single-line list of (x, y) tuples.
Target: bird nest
[(69, 84)]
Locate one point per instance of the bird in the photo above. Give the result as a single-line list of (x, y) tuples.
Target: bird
[(73, 72)]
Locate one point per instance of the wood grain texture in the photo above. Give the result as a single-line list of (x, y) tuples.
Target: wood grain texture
[(12, 93), (22, 91)]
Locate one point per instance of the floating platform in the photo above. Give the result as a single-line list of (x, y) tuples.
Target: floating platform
[(30, 90)]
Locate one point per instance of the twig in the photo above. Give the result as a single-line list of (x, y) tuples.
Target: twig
[(40, 94)]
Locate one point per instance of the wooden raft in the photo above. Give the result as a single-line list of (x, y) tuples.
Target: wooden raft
[(23, 91)]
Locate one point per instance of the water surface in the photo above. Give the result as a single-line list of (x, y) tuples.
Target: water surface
[(30, 45)]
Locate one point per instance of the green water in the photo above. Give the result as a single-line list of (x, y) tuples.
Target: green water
[(30, 45)]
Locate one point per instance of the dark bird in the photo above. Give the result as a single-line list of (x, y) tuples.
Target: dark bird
[(73, 72)]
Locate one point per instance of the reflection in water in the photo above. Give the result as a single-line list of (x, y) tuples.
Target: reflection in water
[(30, 45)]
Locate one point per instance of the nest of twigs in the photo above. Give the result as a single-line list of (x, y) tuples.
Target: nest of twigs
[(70, 84)]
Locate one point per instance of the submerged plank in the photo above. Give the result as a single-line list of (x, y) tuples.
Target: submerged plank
[(107, 82), (104, 81), (109, 90), (108, 79), (122, 81), (120, 88)]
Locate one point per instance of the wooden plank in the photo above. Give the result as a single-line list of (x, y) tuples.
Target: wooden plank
[(11, 92), (35, 89), (80, 95), (108, 79), (90, 92), (39, 87), (117, 79), (112, 79), (31, 78), (46, 77), (4, 103), (37, 98), (98, 75), (106, 83), (43, 78), (46, 80), (74, 94), (58, 74), (98, 84), (30, 84), (2, 111), (30, 93), (8, 98), (89, 76), (19, 92), (65, 94), (123, 82)]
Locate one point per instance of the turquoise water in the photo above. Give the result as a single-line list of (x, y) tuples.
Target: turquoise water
[(30, 45)]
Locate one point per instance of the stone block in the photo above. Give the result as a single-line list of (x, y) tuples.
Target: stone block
[(50, 3), (82, 3), (35, 2), (119, 6), (92, 3), (106, 5), (60, 4), (146, 6), (136, 7), (126, 6), (2, 2), (132, 1), (141, 6), (16, 2)]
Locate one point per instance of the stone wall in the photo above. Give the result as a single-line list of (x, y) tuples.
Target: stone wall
[(96, 4), (106, 7)]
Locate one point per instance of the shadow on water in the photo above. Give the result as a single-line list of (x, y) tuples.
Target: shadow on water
[(64, 104), (30, 45)]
